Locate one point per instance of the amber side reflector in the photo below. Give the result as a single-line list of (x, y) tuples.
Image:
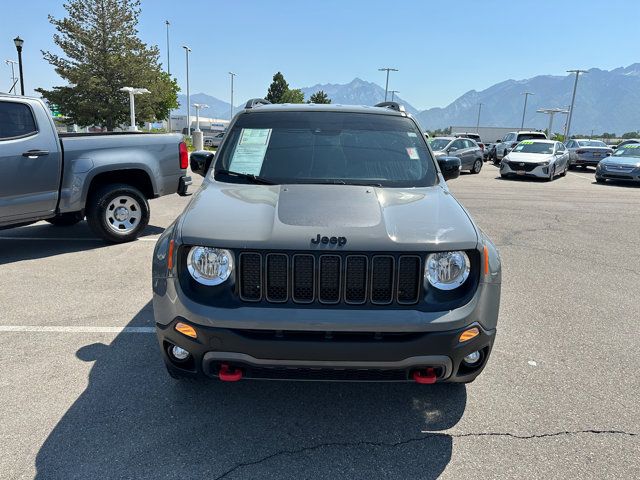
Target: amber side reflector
[(170, 256), (185, 329), (486, 260), (469, 334)]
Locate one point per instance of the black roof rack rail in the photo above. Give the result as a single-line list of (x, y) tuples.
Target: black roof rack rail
[(392, 105), (256, 102)]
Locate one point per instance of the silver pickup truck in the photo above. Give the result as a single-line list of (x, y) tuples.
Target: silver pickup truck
[(62, 178)]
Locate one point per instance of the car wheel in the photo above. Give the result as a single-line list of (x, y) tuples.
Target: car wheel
[(66, 219), (552, 173), (504, 175), (601, 180), (477, 166), (118, 213), (564, 172)]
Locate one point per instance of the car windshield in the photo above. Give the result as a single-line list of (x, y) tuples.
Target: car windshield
[(327, 147), (439, 143), (630, 150), (529, 146), (530, 136), (591, 143)]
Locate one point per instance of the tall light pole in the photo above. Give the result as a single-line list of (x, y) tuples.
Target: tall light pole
[(551, 112), (132, 104), (14, 80), (386, 86), (198, 107), (186, 51), (231, 74), (524, 110), (168, 72), (567, 130), (478, 122), (393, 93), (18, 43)]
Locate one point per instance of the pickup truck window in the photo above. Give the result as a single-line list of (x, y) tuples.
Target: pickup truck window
[(531, 136), (16, 120), (327, 147)]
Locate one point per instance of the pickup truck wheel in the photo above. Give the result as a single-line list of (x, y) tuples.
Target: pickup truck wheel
[(118, 213), (66, 219)]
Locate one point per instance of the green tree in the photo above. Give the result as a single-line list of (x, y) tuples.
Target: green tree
[(292, 96), (102, 54), (319, 97), (277, 89), (630, 135)]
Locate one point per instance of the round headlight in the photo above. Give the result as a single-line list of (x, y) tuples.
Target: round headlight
[(447, 270), (209, 266)]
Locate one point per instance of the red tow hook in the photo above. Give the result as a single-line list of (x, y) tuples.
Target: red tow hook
[(229, 374), (426, 376)]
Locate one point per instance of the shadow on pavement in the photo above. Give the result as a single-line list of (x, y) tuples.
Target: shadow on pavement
[(44, 240), (134, 421)]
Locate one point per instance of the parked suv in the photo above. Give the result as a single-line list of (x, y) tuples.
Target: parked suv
[(324, 244), (465, 149), (510, 140)]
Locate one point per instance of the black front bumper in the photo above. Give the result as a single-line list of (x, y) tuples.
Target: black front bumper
[(347, 356)]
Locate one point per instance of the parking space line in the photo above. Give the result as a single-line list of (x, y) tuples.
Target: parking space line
[(82, 329), (73, 239), (579, 176)]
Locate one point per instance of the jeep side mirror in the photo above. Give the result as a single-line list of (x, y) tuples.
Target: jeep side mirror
[(200, 161), (450, 167)]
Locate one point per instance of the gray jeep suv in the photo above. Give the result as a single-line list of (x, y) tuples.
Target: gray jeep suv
[(324, 244)]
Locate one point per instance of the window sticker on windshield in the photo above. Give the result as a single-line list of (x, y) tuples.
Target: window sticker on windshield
[(527, 142), (412, 134), (632, 145), (250, 151), (413, 153)]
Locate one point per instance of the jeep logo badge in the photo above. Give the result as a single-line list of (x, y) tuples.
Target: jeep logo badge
[(340, 241)]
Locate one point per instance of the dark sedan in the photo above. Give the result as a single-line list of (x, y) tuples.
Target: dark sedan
[(622, 165)]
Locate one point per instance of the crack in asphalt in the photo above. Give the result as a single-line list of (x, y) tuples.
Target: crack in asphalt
[(427, 436)]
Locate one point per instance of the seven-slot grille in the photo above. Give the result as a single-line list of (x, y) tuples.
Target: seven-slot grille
[(353, 279)]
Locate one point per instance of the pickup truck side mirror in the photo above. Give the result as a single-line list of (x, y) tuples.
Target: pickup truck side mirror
[(200, 161), (450, 167)]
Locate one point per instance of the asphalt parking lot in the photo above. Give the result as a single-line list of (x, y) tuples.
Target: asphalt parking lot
[(84, 398)]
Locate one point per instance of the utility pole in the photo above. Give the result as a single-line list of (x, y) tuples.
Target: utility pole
[(393, 94), (231, 74), (168, 72), (524, 110), (567, 131), (186, 51), (14, 79), (386, 87), (478, 122)]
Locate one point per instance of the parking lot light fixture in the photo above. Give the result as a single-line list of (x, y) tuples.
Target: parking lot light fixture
[(524, 110), (393, 93), (14, 80), (132, 104), (567, 130), (478, 122), (18, 43), (231, 74), (386, 86), (186, 51), (198, 107), (551, 112)]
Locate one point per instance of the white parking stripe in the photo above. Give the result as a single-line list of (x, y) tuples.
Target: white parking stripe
[(579, 176), (73, 239), (84, 329)]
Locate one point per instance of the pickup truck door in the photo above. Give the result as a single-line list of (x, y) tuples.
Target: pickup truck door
[(30, 161)]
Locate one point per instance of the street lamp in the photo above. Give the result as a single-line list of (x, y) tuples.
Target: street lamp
[(478, 122), (168, 72), (524, 110), (551, 112), (198, 107), (132, 104), (231, 74), (393, 93), (567, 130), (19, 42), (386, 87), (186, 51), (14, 80)]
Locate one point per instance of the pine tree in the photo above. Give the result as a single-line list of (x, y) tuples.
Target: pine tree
[(319, 97), (102, 54), (277, 89)]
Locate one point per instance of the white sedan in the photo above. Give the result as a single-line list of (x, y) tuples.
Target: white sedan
[(536, 158)]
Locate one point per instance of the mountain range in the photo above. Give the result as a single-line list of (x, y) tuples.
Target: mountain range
[(606, 101)]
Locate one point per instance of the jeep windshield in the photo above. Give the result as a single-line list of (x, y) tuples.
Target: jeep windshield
[(325, 147)]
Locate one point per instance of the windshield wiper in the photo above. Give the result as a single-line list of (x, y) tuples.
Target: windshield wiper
[(246, 176)]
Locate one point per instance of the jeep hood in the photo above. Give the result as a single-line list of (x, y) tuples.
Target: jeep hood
[(287, 217)]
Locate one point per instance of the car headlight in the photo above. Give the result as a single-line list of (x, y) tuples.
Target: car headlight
[(209, 266), (447, 270), (544, 164)]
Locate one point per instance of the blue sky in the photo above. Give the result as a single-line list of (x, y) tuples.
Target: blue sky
[(442, 48)]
